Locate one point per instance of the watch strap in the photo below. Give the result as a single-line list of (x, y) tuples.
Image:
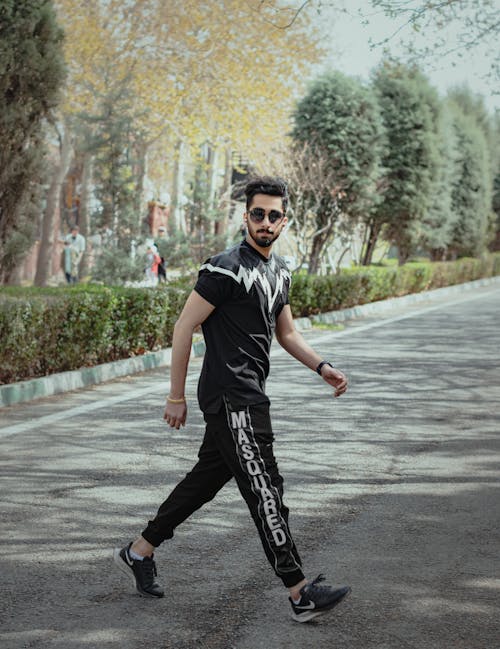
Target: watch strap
[(320, 366)]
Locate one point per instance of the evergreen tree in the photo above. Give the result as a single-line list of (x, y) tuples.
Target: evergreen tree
[(472, 186), (472, 105), (410, 109), (339, 121), (31, 73), (438, 221), (495, 244), (116, 145)]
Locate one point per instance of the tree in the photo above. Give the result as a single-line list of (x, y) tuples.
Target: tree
[(339, 121), (115, 145), (410, 108), (472, 187), (308, 173), (437, 223), (191, 74), (189, 78), (495, 245), (31, 73), (50, 223)]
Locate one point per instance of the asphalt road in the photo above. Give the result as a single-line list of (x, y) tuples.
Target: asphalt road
[(393, 488)]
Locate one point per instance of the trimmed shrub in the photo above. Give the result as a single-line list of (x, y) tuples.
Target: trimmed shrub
[(311, 294), (43, 331)]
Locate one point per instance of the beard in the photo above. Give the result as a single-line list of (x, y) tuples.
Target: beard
[(263, 242)]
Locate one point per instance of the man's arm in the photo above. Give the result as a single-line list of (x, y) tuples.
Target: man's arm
[(293, 342), (195, 311)]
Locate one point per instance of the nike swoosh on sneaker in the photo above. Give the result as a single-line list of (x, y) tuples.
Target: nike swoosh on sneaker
[(128, 559), (309, 606)]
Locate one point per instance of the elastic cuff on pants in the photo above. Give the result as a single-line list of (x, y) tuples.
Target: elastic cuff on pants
[(292, 578), (150, 538)]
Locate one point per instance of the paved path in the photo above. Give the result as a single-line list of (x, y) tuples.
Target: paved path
[(394, 488)]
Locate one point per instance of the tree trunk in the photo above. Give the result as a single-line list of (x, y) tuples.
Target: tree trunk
[(315, 256), (51, 210), (437, 254), (374, 231), (84, 220), (141, 149), (225, 204), (403, 255), (178, 188)]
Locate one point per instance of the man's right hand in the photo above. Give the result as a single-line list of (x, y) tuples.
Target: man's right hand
[(175, 414)]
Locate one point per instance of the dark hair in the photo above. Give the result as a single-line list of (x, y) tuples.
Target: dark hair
[(269, 185)]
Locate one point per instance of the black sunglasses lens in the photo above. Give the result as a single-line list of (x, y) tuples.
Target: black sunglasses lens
[(257, 214), (274, 216)]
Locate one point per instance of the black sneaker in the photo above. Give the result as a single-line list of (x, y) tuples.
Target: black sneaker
[(142, 572), (315, 600)]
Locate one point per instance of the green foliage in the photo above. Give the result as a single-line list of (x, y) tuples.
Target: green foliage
[(176, 249), (472, 187), (114, 267), (437, 223), (340, 115), (312, 294), (54, 330), (340, 122), (496, 175), (410, 109), (116, 146), (31, 72)]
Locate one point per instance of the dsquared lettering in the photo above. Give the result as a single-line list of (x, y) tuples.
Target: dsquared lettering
[(273, 522), (242, 437), (270, 506), (254, 469), (239, 419), (247, 452)]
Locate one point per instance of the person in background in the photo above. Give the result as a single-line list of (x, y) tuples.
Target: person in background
[(153, 261), (161, 244), (77, 243), (70, 263)]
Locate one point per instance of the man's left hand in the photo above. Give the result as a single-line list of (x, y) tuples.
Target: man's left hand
[(335, 378)]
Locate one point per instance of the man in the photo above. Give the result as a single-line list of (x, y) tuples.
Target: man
[(77, 245), (240, 300), (69, 263)]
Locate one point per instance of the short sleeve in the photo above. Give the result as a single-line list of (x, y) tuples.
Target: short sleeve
[(216, 285)]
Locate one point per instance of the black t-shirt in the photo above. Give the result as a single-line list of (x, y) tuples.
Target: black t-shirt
[(248, 292)]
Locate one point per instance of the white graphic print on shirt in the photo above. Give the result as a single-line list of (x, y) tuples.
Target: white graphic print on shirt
[(249, 276)]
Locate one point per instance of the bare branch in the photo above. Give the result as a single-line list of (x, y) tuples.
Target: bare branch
[(295, 15)]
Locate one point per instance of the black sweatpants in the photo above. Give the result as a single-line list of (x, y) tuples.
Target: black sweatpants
[(238, 443)]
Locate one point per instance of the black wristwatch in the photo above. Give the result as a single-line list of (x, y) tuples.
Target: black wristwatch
[(320, 366)]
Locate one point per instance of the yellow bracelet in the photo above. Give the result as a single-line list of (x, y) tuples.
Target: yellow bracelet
[(170, 400)]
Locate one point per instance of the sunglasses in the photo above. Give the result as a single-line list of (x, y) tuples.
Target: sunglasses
[(258, 214)]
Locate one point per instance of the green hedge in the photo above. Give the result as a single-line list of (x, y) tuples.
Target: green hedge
[(43, 331), (311, 294)]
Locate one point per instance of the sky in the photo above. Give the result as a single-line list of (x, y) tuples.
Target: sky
[(348, 41)]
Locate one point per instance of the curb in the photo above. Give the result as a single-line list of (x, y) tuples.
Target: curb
[(47, 386)]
